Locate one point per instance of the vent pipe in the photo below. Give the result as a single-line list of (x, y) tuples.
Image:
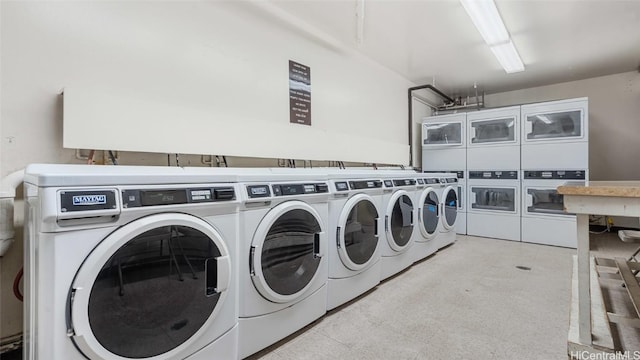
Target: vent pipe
[(445, 97)]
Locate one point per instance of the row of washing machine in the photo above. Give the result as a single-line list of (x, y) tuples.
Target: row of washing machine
[(212, 263)]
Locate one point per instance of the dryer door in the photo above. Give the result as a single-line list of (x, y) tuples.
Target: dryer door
[(543, 200), (286, 251), (429, 213), (150, 289), (500, 130), (493, 199), (450, 206), (398, 222), (357, 232)]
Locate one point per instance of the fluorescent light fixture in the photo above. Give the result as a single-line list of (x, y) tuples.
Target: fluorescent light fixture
[(486, 18), (508, 57)]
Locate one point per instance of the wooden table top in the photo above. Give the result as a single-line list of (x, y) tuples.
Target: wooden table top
[(603, 188)]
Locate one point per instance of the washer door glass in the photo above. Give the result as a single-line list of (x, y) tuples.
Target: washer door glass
[(154, 290), (358, 232), (286, 251), (430, 213), (450, 207), (401, 222)]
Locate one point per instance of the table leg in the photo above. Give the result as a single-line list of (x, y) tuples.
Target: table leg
[(584, 276)]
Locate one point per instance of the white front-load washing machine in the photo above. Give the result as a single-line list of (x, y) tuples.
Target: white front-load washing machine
[(399, 216), (354, 228), (460, 226), (127, 262), (283, 248), (427, 196), (448, 209)]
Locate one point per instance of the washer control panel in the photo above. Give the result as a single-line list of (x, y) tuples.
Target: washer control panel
[(365, 184), (555, 174), (404, 182), (508, 175), (175, 196), (266, 190)]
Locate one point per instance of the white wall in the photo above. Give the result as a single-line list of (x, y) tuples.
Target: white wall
[(614, 119), (226, 59)]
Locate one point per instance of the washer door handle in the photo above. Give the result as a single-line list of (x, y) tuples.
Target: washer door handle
[(375, 228), (337, 237), (219, 281), (386, 223), (317, 253), (252, 253)]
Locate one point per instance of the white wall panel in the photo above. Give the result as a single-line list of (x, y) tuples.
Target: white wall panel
[(99, 120)]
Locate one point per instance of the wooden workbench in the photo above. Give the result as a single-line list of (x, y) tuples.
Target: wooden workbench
[(589, 329)]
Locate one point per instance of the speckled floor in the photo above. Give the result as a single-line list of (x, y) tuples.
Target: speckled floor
[(469, 301)]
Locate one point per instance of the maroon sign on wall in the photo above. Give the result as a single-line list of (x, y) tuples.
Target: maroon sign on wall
[(299, 93)]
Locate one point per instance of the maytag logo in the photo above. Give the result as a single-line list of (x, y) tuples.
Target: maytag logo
[(89, 200)]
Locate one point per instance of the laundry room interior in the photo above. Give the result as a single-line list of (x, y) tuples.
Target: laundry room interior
[(308, 179)]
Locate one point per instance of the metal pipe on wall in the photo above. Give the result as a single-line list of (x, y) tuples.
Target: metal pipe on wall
[(410, 116)]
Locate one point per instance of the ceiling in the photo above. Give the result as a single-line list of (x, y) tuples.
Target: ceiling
[(435, 42)]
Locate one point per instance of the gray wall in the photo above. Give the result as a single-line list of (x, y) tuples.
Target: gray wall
[(614, 119)]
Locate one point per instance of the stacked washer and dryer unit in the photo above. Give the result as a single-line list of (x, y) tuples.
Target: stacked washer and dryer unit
[(555, 150), (493, 163), (130, 262)]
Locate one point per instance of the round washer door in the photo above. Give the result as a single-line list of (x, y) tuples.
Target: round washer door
[(399, 220), (150, 289), (357, 232), (286, 251), (429, 213), (450, 205)]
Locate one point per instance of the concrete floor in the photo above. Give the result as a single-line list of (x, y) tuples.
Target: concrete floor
[(469, 301)]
